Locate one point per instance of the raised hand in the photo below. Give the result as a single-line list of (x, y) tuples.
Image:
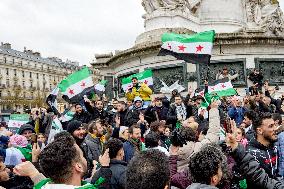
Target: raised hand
[(104, 159)]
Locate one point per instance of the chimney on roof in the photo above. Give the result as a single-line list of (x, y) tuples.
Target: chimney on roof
[(25, 49), (6, 45)]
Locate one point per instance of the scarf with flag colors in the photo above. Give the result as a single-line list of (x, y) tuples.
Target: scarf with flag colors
[(17, 120), (196, 48), (143, 77), (76, 85)]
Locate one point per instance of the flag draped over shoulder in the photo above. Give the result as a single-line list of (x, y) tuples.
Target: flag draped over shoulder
[(196, 48), (76, 85), (143, 77)]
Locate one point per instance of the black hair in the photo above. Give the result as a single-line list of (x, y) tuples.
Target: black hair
[(277, 116), (134, 78), (114, 145), (130, 130), (188, 134), (62, 135), (250, 115), (57, 158), (258, 120), (154, 126), (205, 164), (77, 105), (147, 170), (152, 140)]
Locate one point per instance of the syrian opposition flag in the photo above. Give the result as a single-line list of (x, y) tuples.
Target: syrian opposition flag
[(76, 85), (56, 127), (194, 49), (143, 77), (17, 120), (67, 116), (222, 87)]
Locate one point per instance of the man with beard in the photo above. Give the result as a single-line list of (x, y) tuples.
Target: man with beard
[(177, 112), (81, 115), (134, 144), (65, 166), (157, 112), (119, 118), (95, 140), (263, 147), (78, 132), (248, 117), (141, 90), (97, 111)]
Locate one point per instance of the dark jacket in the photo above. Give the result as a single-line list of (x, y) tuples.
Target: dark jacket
[(94, 147), (122, 116), (266, 156), (172, 115), (84, 117), (130, 149), (118, 178), (250, 135), (95, 113), (237, 114), (252, 171), (151, 113), (256, 78), (132, 117)]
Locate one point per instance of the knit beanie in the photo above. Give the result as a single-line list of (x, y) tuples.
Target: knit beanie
[(18, 141), (73, 125)]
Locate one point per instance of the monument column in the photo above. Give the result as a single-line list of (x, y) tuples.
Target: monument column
[(224, 16)]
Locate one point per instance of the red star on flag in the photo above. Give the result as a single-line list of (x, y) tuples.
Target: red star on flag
[(181, 48), (169, 46), (201, 93), (212, 88), (223, 86), (146, 82), (83, 84), (14, 124), (199, 48), (71, 91)]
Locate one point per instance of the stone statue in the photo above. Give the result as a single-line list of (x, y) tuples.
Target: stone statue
[(265, 14), (171, 5)]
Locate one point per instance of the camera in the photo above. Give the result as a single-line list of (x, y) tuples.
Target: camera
[(177, 139)]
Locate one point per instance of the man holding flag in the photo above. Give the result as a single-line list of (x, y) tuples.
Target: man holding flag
[(139, 87)]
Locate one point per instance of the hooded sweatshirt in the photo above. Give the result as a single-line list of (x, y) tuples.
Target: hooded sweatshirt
[(266, 156)]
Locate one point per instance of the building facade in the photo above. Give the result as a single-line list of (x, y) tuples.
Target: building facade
[(26, 78), (249, 35)]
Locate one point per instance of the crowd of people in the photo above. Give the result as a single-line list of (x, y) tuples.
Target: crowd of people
[(151, 142)]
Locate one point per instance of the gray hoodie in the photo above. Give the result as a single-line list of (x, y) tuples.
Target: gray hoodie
[(200, 186)]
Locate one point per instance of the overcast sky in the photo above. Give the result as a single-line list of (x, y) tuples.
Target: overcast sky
[(73, 29)]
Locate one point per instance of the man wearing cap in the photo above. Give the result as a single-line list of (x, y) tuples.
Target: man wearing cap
[(156, 112), (26, 130), (139, 90), (225, 74), (134, 115)]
